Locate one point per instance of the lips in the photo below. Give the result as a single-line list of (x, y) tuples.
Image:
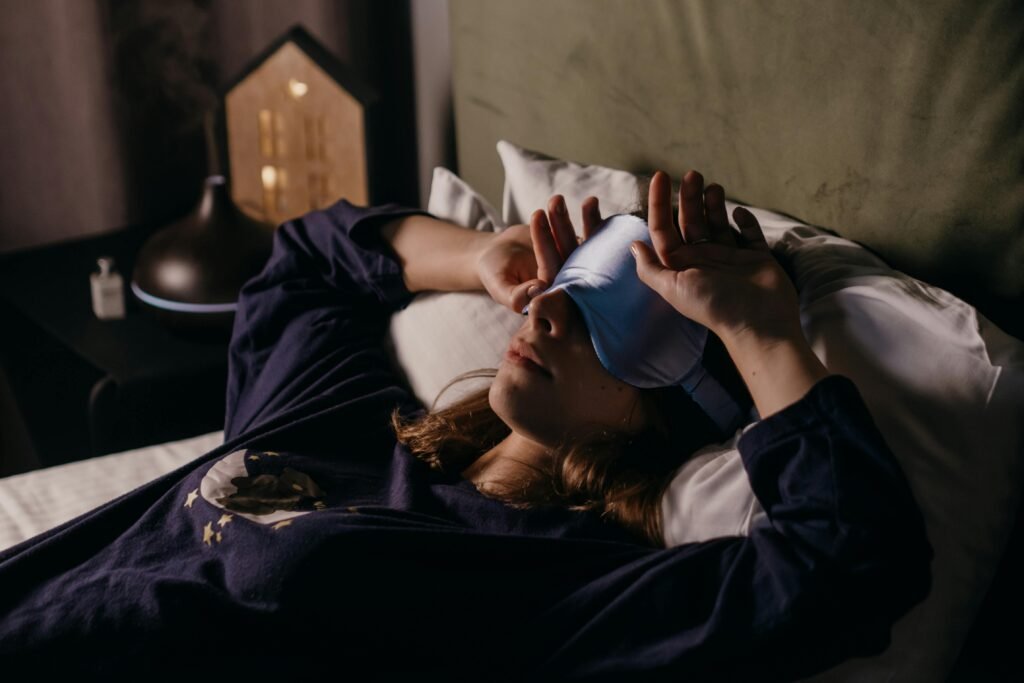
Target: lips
[(524, 350)]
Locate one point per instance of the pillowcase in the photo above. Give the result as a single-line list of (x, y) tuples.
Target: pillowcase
[(945, 386), (531, 178), (452, 199)]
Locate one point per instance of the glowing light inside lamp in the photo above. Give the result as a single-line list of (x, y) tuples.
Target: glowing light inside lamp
[(297, 88), (269, 176)]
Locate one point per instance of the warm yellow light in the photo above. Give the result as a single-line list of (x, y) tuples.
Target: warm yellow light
[(269, 176), (266, 132), (297, 88)]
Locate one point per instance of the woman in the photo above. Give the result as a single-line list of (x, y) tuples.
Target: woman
[(314, 542), (595, 443)]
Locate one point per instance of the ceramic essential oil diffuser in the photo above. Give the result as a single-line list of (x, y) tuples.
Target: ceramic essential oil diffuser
[(189, 273)]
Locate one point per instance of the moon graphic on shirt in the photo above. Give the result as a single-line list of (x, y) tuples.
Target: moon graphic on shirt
[(266, 499)]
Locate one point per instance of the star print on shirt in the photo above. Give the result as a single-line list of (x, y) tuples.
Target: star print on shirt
[(224, 519), (208, 533), (191, 498), (282, 524)]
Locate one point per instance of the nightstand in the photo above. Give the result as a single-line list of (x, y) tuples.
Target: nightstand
[(85, 386)]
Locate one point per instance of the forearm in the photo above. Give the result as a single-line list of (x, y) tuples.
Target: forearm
[(436, 255), (778, 371)]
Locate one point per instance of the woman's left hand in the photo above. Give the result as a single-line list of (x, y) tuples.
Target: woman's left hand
[(522, 257)]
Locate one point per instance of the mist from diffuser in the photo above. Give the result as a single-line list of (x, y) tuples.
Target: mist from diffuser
[(638, 336), (189, 273)]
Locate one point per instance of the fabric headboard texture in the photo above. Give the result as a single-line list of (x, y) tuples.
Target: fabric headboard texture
[(895, 124)]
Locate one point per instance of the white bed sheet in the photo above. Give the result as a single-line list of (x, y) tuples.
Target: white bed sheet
[(33, 502)]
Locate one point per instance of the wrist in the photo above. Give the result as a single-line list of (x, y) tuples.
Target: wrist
[(475, 249), (762, 336), (778, 369)]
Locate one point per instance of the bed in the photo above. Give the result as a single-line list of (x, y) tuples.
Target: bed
[(866, 121)]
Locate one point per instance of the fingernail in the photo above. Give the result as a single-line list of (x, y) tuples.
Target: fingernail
[(533, 291), (636, 253)]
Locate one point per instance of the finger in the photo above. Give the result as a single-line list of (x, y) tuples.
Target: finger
[(548, 259), (561, 224), (718, 219), (664, 234), (520, 296), (691, 208), (750, 229), (591, 217)]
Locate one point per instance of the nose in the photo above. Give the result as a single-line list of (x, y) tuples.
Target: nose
[(549, 313)]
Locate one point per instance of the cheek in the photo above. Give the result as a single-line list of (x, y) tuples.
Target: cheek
[(596, 379), (609, 399)]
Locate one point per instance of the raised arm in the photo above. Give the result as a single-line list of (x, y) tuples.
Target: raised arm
[(843, 552), (312, 320)]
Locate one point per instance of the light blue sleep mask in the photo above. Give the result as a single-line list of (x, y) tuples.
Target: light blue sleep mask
[(638, 336)]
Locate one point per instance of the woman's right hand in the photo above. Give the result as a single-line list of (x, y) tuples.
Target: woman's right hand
[(728, 282), (524, 258)]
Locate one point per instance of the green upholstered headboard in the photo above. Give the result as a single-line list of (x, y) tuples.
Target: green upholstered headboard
[(896, 124)]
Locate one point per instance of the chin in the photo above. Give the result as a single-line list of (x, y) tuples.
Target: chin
[(517, 408)]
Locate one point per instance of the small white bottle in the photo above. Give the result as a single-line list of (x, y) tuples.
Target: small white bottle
[(107, 291)]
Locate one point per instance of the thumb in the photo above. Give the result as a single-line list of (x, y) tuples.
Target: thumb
[(651, 271), (648, 267)]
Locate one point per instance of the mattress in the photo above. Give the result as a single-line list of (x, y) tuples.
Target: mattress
[(33, 502)]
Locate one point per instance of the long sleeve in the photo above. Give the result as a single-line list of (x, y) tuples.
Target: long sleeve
[(840, 557), (309, 326)]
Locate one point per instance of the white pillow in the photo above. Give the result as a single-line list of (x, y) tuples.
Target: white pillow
[(452, 199), (945, 386)]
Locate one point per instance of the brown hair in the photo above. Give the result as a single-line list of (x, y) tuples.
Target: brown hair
[(620, 475)]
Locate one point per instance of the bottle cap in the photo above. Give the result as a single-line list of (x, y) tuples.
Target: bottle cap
[(106, 264)]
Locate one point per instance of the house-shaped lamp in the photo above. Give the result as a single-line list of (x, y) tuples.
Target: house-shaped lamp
[(297, 127)]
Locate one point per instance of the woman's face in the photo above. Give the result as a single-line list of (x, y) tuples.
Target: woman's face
[(571, 392)]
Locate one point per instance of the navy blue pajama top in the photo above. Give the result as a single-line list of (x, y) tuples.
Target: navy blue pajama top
[(311, 543)]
